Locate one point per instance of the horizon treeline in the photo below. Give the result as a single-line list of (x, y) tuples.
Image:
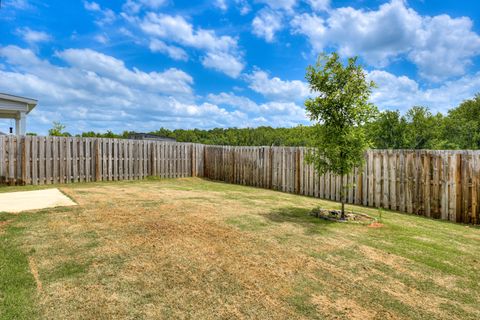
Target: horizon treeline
[(418, 128)]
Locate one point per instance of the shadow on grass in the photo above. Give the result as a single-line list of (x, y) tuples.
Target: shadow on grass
[(300, 217)]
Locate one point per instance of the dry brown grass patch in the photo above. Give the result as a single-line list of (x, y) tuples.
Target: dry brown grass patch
[(160, 250), (36, 276)]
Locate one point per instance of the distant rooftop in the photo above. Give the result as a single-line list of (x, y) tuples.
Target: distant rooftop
[(149, 136)]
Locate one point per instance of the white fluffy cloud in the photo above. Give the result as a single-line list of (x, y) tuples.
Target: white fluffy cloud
[(221, 4), (171, 81), (232, 100), (88, 70), (134, 6), (173, 52), (105, 16), (94, 91), (448, 40), (91, 6), (243, 6), (287, 5), (153, 4), (273, 112), (178, 30), (101, 38), (313, 27), (33, 36), (294, 112), (270, 19), (376, 35), (393, 92), (266, 23), (223, 62), (401, 92), (319, 5), (18, 4), (276, 88), (393, 31)]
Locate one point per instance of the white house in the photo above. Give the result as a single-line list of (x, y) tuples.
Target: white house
[(14, 107)]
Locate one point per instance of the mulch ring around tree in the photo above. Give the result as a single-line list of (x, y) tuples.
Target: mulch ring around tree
[(335, 215)]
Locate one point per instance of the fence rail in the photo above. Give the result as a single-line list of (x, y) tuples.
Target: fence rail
[(438, 184)]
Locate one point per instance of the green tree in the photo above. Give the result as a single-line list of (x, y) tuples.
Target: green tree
[(388, 131), (462, 125), (341, 108), (57, 130), (423, 129)]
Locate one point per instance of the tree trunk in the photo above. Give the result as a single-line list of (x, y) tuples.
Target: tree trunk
[(342, 197)]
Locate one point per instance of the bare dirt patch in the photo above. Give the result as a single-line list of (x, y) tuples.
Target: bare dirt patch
[(34, 271), (4, 223), (376, 225)]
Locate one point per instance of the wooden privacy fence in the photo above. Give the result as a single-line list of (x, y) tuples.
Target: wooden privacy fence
[(46, 160), (438, 184)]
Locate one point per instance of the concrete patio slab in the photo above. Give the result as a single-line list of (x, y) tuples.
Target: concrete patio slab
[(32, 200)]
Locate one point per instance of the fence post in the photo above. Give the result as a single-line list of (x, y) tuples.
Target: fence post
[(233, 164), (359, 187), (11, 160), (270, 164), (96, 150), (458, 182), (192, 160), (297, 170), (205, 170), (152, 149), (23, 174), (2, 159)]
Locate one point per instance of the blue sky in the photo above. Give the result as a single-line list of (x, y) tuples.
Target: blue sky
[(145, 64)]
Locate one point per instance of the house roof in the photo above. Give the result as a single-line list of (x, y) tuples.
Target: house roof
[(31, 103)]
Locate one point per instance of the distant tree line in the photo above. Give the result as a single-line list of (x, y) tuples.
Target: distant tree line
[(418, 128), (421, 129)]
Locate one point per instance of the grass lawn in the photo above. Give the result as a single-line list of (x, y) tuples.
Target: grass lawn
[(191, 248)]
